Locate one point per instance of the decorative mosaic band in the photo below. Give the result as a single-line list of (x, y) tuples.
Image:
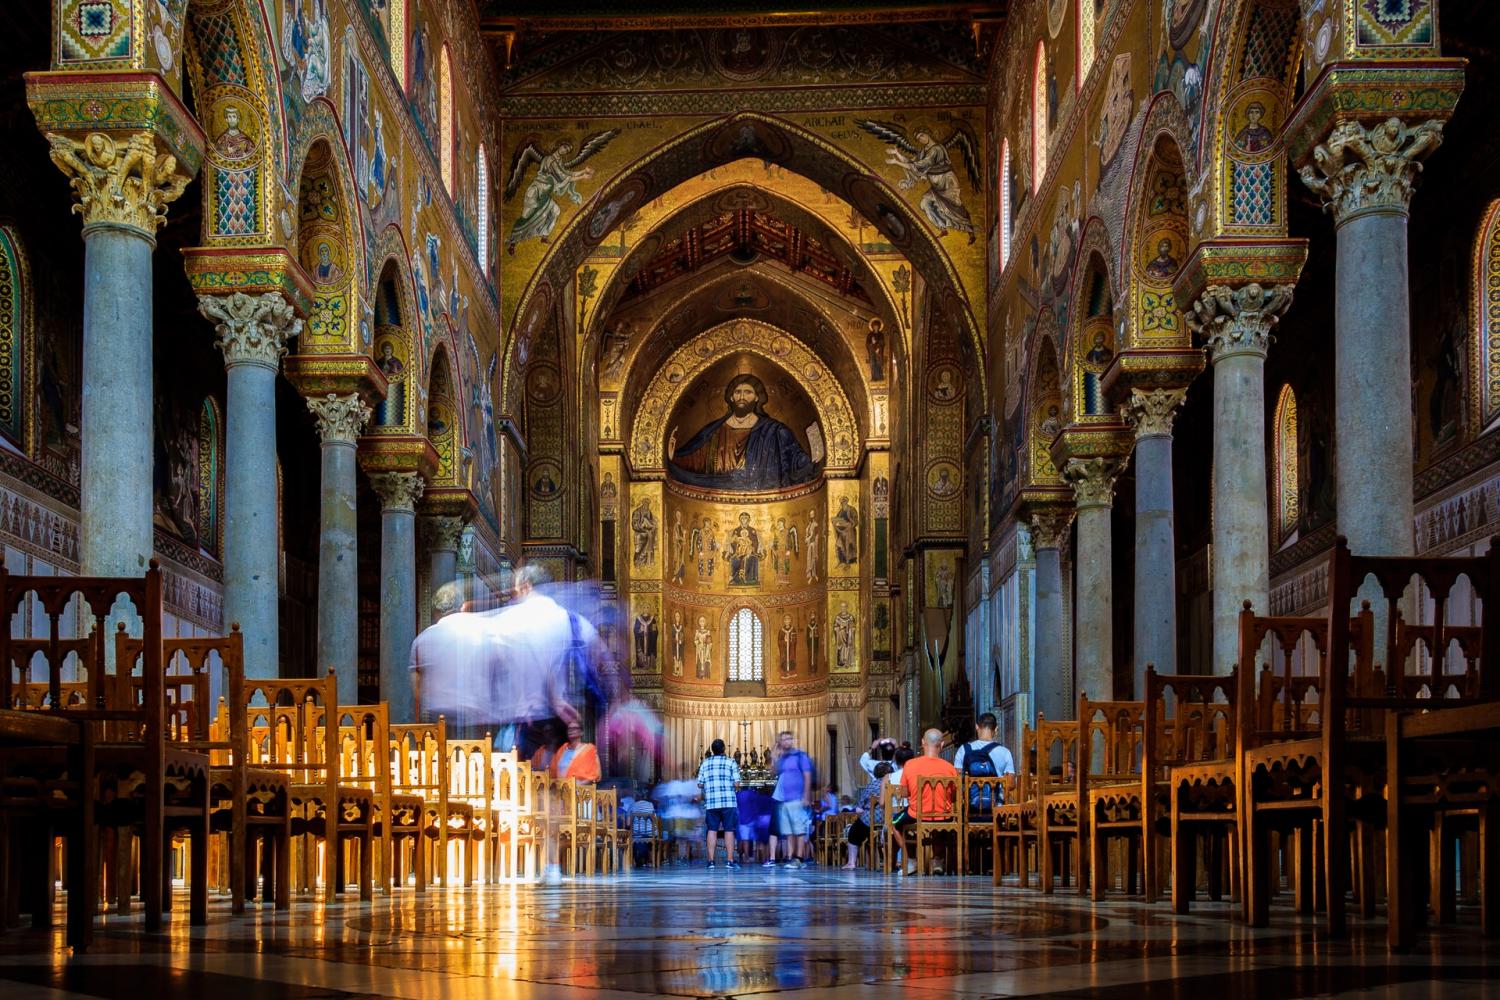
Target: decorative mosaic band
[(1412, 90), (116, 103), (1092, 441), (340, 374), (1235, 261), (252, 270), (406, 453), (1151, 369)]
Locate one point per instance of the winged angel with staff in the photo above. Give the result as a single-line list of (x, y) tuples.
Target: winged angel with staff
[(922, 157), (556, 174)]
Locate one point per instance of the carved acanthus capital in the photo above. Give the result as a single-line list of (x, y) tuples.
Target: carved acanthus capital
[(1361, 168), (127, 184), (1238, 320), (1093, 480), (398, 491), (1049, 527), (253, 329), (341, 419), (1150, 412), (442, 533)]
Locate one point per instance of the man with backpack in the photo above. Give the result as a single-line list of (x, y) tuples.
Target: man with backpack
[(983, 758)]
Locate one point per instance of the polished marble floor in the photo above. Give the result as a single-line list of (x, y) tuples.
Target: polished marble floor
[(687, 932)]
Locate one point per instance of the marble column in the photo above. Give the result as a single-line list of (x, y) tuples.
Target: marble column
[(398, 492), (1150, 413), (123, 189), (252, 333), (1093, 482), (1364, 175), (1054, 679), (1236, 325), (341, 420), (441, 533)]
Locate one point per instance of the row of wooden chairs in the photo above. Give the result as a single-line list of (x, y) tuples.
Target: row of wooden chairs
[(125, 749), (1325, 769)]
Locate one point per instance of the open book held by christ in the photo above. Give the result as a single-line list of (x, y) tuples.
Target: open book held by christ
[(746, 449)]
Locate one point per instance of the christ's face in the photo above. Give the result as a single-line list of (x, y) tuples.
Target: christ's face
[(742, 399)]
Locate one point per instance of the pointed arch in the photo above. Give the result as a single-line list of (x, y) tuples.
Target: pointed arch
[(392, 346), (1091, 345), (483, 184), (747, 647), (1039, 117), (1087, 42), (445, 120), (1485, 391), (1158, 237), (1287, 501), (1044, 416), (443, 419), (328, 246), (1005, 204)]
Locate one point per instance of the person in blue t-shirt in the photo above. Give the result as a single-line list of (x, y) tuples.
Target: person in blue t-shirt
[(794, 798)]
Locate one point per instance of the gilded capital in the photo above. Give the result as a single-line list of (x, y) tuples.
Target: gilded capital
[(253, 329), (1370, 168), (1150, 412), (1093, 480), (443, 533), (1239, 320), (127, 184), (398, 491), (340, 418), (1049, 527)]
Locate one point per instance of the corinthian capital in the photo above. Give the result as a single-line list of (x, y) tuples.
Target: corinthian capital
[(1049, 527), (1151, 411), (442, 532), (1238, 320), (125, 184), (398, 490), (1363, 169), (1093, 480), (340, 418), (253, 329)]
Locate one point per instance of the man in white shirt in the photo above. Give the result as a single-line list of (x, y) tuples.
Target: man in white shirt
[(984, 757)]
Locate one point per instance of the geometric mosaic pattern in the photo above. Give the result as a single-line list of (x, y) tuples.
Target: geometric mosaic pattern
[(1254, 194), (1394, 22), (1268, 42), (219, 49), (235, 201), (93, 29)]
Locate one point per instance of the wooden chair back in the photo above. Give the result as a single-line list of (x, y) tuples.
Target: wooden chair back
[(188, 685), (1191, 720), (290, 729), (1111, 736), (31, 694), (1057, 754), (420, 760), (1448, 674), (937, 789)]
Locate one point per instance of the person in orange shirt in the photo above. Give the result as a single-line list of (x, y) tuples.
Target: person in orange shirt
[(935, 801), (575, 758)]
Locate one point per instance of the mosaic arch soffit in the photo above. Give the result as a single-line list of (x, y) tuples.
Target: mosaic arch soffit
[(684, 157), (649, 426), (1163, 122), (654, 352), (881, 302), (1093, 257), (664, 224), (1148, 309)]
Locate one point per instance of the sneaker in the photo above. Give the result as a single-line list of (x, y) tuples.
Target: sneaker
[(768, 863), (731, 864), (794, 864), (711, 866)]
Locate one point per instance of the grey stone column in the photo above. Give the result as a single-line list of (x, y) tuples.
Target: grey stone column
[(1236, 324), (123, 189), (441, 534), (341, 419), (1054, 678), (398, 492), (1151, 414), (1364, 175), (253, 331), (1093, 481)]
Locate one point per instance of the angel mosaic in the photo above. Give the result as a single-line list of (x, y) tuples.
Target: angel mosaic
[(923, 158), (557, 175)]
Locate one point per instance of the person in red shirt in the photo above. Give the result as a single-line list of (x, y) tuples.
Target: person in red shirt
[(935, 801), (575, 758)]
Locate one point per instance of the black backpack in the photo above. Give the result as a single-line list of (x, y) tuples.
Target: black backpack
[(978, 764)]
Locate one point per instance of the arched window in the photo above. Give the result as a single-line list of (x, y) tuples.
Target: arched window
[(16, 392), (484, 209), (445, 120), (1487, 309), (746, 647), (1004, 204), (1039, 118), (1287, 500), (396, 36), (1085, 41)]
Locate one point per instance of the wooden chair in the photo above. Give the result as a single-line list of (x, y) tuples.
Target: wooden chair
[(364, 735), (893, 800), (471, 785), (251, 806), (420, 762), (606, 827), (29, 692), (294, 728), (1016, 818), (1188, 781), (517, 842), (570, 802), (977, 807), (646, 829), (941, 819), (155, 788), (1059, 802), (1111, 741)]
